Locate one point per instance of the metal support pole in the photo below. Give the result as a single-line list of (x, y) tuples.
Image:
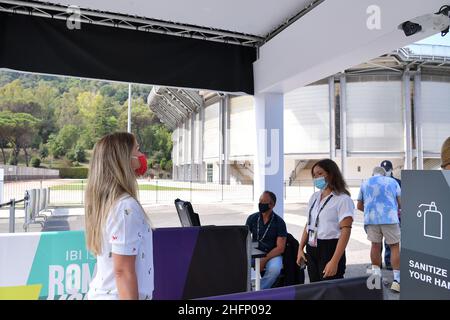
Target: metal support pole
[(185, 151), (331, 111), (12, 216), (418, 118), (129, 108), (193, 142), (407, 119), (26, 208), (343, 112), (253, 190), (258, 274), (156, 191), (82, 194)]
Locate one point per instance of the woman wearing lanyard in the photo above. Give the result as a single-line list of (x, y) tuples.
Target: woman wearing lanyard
[(327, 230)]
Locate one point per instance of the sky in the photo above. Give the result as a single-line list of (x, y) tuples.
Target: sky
[(437, 39)]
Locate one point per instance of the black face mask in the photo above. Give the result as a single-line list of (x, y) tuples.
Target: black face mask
[(263, 207)]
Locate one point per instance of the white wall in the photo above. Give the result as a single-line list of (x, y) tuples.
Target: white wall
[(242, 126), (306, 120), (374, 116), (435, 115), (181, 145), (211, 134), (28, 171), (197, 125), (174, 147), (187, 142)]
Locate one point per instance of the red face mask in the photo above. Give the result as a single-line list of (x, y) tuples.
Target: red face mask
[(143, 167)]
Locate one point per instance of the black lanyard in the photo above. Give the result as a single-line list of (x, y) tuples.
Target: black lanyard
[(317, 218), (267, 229)]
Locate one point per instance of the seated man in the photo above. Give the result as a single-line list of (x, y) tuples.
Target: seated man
[(269, 230)]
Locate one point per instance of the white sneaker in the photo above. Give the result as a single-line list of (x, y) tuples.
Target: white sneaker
[(395, 286)]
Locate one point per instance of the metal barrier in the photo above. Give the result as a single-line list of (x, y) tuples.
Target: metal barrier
[(12, 212), (35, 205)]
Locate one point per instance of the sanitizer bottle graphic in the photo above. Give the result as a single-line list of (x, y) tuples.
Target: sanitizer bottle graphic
[(432, 221)]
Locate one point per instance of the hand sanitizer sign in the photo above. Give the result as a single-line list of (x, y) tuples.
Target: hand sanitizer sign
[(432, 221), (425, 241)]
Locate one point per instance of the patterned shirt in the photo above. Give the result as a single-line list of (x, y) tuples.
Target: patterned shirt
[(128, 233), (379, 194)]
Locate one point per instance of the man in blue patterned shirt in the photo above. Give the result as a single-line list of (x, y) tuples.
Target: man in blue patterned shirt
[(388, 167), (379, 199)]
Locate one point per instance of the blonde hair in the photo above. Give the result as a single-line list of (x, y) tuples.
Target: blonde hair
[(110, 176)]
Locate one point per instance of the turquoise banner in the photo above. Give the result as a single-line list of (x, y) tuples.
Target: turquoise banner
[(63, 266)]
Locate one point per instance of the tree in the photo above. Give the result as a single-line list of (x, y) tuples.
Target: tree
[(68, 136), (108, 90), (14, 92), (99, 113), (3, 145), (36, 101), (43, 151), (46, 96), (80, 154), (18, 129), (55, 146), (168, 166), (67, 111), (163, 140), (142, 120), (60, 104), (35, 162), (66, 139)]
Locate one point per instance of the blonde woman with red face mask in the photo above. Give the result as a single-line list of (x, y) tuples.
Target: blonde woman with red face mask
[(118, 231)]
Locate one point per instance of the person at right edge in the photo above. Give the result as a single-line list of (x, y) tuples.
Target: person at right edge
[(388, 167), (379, 199), (328, 228)]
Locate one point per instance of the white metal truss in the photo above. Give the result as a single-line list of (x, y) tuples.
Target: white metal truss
[(62, 12), (173, 106), (406, 55), (288, 22), (399, 60)]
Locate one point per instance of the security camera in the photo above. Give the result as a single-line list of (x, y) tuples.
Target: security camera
[(438, 22), (410, 28)]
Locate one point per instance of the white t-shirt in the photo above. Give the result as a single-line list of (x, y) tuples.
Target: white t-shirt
[(337, 208), (126, 233)]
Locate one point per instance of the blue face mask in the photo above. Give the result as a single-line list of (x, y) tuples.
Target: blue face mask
[(320, 183)]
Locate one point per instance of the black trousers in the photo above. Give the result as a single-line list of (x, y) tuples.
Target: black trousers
[(319, 256)]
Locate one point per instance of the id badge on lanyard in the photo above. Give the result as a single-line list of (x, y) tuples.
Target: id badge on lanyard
[(313, 230), (312, 237)]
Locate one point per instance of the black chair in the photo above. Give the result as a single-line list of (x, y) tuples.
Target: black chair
[(291, 273), (188, 217)]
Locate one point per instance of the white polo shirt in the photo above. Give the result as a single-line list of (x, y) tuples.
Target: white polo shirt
[(337, 208), (126, 233)]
